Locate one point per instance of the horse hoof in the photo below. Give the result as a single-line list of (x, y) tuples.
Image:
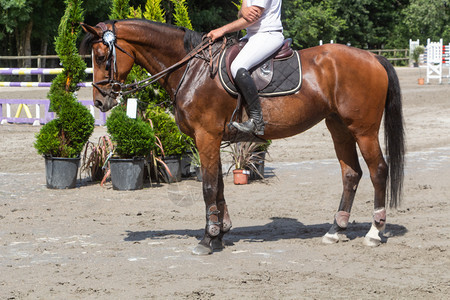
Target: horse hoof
[(330, 238), (202, 250), (217, 244), (371, 242)]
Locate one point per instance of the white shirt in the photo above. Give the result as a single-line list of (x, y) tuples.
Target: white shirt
[(270, 19)]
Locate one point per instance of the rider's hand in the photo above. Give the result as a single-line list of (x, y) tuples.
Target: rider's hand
[(251, 13), (215, 34)]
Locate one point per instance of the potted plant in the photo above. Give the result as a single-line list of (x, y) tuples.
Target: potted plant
[(174, 143), (95, 158), (416, 54), (187, 165), (62, 139), (155, 166), (244, 157), (133, 139), (416, 58), (196, 163), (259, 158)]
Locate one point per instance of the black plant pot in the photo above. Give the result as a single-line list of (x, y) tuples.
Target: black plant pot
[(61, 172), (198, 173), (259, 166), (186, 161), (127, 173), (174, 164)]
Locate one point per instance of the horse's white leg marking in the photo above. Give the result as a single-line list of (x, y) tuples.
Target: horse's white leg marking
[(341, 219), (329, 238), (373, 238)]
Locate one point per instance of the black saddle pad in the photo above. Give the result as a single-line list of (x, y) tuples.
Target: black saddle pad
[(286, 80)]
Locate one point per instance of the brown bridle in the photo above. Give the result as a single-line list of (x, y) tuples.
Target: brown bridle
[(109, 39), (117, 88)]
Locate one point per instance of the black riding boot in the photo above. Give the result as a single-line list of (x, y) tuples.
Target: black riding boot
[(247, 87)]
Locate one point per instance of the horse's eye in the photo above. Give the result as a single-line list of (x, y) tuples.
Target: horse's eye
[(100, 59)]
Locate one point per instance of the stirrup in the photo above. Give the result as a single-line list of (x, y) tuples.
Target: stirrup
[(249, 126)]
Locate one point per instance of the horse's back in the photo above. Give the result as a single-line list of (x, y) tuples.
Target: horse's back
[(339, 52), (343, 60)]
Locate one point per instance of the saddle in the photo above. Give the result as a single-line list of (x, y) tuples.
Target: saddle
[(279, 75)]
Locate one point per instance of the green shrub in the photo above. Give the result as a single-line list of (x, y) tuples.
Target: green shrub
[(78, 123), (152, 94), (48, 140), (416, 53), (66, 136), (264, 146), (133, 137), (173, 141)]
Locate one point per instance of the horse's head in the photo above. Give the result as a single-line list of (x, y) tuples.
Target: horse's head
[(110, 67)]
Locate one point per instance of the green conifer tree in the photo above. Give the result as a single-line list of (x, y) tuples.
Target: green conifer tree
[(181, 15), (66, 135), (155, 93), (120, 9), (135, 12), (154, 12)]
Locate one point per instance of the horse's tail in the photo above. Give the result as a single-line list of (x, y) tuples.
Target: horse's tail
[(394, 134)]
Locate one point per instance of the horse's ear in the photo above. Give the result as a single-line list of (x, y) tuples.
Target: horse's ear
[(90, 29)]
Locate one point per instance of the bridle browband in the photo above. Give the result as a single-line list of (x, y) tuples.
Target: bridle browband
[(109, 39)]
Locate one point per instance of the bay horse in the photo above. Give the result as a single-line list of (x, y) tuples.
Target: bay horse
[(348, 87)]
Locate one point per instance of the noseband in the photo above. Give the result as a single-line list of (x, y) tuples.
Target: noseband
[(109, 39)]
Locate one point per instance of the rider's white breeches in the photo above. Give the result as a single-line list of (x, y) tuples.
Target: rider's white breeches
[(259, 46)]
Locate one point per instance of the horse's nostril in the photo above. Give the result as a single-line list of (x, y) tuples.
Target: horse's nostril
[(98, 103)]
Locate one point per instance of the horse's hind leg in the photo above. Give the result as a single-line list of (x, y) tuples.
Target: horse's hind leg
[(345, 147), (371, 151)]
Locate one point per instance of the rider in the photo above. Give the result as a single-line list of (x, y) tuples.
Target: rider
[(262, 19)]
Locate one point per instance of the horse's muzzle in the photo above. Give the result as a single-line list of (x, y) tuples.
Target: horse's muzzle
[(106, 104)]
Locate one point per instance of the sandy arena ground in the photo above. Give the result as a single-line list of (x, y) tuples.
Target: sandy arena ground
[(94, 242)]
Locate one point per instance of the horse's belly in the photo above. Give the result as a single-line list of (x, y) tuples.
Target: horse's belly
[(288, 116)]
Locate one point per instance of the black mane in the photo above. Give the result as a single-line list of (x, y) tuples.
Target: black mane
[(191, 38)]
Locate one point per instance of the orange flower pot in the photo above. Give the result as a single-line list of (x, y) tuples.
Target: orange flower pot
[(240, 176)]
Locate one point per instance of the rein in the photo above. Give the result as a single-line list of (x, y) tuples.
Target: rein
[(136, 86), (109, 39)]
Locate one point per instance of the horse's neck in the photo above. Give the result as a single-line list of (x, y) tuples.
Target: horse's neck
[(158, 47)]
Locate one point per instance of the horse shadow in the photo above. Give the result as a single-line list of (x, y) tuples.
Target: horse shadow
[(277, 229)]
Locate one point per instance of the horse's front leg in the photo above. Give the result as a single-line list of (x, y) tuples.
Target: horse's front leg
[(224, 216), (217, 218)]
